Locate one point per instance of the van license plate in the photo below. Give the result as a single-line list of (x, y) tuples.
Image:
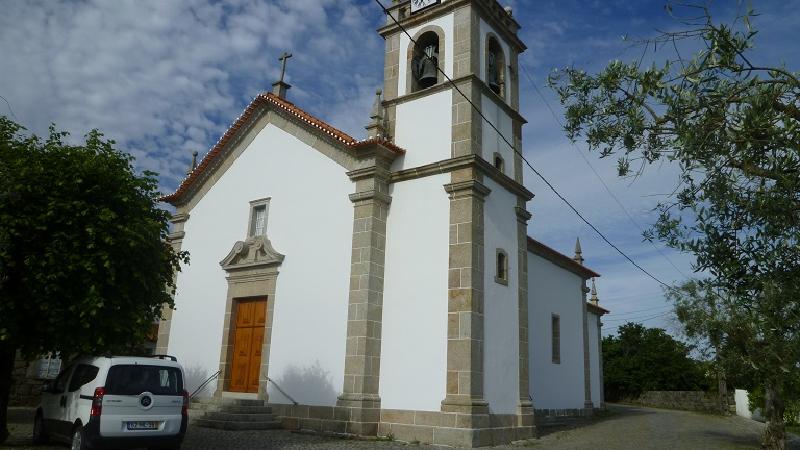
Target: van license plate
[(143, 425)]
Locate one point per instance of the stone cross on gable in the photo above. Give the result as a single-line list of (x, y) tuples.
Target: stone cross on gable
[(285, 56), (280, 87)]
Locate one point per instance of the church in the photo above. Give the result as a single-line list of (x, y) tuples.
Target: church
[(388, 286)]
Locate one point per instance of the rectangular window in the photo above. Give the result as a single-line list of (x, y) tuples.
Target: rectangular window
[(135, 379), (556, 329), (258, 217), (259, 220)]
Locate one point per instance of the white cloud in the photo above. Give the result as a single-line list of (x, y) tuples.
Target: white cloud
[(165, 78)]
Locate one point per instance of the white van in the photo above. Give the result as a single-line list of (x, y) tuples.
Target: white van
[(115, 402)]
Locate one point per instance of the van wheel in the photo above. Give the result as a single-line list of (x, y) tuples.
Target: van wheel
[(39, 433), (79, 439)]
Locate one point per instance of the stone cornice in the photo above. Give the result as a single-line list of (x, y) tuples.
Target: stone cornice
[(492, 12), (514, 114), (176, 236), (503, 179), (371, 195), (179, 218), (369, 172), (461, 162), (472, 188), (523, 215)]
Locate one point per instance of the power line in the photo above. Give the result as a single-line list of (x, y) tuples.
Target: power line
[(639, 311), (499, 133), (586, 160), (639, 318)]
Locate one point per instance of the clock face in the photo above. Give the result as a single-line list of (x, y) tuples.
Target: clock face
[(417, 5)]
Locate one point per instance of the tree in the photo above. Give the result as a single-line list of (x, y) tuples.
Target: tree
[(648, 359), (84, 265), (731, 127)]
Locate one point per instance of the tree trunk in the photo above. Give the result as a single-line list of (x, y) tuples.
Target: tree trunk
[(7, 356), (775, 432)]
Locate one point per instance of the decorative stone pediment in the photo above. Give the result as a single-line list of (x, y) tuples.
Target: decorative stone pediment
[(253, 253)]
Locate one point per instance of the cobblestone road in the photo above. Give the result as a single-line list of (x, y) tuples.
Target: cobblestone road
[(623, 428)]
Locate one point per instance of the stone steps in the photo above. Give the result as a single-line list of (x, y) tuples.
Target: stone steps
[(234, 415)]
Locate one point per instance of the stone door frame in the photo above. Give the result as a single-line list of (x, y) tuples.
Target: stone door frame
[(252, 268)]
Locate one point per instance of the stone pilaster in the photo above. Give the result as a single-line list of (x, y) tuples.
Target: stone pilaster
[(601, 394), (391, 67), (466, 42), (525, 409), (465, 297), (175, 239), (363, 350), (587, 361)]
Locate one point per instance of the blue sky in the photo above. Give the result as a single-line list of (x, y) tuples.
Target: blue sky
[(166, 77)]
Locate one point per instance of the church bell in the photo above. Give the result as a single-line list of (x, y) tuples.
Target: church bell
[(426, 67)]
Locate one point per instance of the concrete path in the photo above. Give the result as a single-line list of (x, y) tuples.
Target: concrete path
[(629, 427), (624, 427)]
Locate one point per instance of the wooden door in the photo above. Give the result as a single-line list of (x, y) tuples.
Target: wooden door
[(248, 338)]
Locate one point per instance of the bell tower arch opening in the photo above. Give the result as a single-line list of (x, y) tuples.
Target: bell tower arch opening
[(495, 66), (425, 59)]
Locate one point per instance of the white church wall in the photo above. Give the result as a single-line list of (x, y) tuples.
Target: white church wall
[(553, 290), (414, 334), (424, 127), (594, 358), (501, 303), (491, 140), (446, 23), (310, 315)]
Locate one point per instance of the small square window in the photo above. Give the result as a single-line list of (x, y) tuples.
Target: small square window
[(258, 217), (499, 164)]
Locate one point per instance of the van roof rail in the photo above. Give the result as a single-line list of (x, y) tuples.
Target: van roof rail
[(170, 357)]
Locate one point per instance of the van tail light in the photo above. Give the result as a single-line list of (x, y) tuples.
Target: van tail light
[(186, 401), (97, 402)]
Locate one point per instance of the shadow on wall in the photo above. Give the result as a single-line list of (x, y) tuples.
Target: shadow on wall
[(194, 377), (307, 386)]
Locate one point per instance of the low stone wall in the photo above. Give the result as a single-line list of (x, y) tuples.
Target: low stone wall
[(425, 427), (684, 400), (25, 391)]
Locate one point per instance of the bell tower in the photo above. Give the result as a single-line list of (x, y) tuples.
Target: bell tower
[(475, 44), (448, 65)]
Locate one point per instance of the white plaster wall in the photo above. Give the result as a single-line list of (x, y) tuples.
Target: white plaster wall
[(492, 141), (310, 221), (424, 129), (594, 358), (501, 303), (446, 23), (553, 290), (485, 30), (742, 399), (414, 335)]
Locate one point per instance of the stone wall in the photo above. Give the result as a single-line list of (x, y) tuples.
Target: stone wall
[(684, 400), (25, 391)]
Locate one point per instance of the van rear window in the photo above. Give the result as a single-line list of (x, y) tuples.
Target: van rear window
[(135, 379)]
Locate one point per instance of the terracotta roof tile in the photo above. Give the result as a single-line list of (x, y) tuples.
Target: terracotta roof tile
[(272, 100)]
